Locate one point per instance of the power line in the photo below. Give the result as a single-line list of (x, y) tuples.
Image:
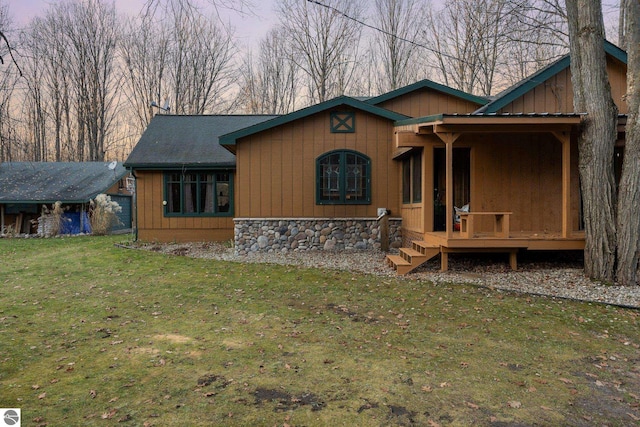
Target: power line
[(437, 52)]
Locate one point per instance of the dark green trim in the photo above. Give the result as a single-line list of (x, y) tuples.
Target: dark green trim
[(343, 179), (428, 84), (44, 202), (417, 120), (167, 214), (342, 122), (615, 51), (180, 166), (232, 138), (542, 76)]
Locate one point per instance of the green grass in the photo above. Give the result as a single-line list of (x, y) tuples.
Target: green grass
[(93, 334)]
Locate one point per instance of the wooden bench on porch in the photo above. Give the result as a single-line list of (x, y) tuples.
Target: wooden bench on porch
[(500, 223)]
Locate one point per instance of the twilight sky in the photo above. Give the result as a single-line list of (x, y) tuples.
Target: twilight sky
[(249, 29)]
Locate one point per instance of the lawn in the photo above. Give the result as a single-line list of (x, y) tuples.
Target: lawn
[(93, 334)]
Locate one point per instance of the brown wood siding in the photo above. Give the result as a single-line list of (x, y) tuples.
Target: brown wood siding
[(276, 169), (556, 94), (426, 102), (522, 174), (618, 80), (153, 225), (413, 218), (553, 96)]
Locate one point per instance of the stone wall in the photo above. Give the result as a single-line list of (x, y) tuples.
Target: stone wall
[(304, 234)]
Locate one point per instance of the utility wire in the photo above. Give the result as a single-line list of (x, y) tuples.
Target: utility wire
[(437, 52)]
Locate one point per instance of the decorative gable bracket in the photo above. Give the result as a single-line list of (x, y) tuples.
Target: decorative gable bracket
[(343, 122)]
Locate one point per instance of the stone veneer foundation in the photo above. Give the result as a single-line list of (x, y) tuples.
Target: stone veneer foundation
[(312, 234)]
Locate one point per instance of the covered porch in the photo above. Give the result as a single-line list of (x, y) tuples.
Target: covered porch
[(521, 186)]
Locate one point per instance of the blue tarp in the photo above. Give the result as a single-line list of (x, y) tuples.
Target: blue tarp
[(75, 223)]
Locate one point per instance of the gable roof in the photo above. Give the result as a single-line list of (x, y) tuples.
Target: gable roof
[(427, 84), (50, 182), (511, 94), (231, 138), (175, 141)]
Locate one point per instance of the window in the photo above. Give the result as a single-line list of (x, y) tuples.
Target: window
[(412, 178), (198, 193), (343, 177)]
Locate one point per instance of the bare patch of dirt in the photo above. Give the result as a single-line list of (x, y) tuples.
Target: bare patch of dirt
[(144, 350), (208, 379), (368, 405), (343, 310), (401, 416), (173, 338), (288, 402), (614, 392)]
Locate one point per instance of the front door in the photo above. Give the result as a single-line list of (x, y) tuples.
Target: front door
[(461, 182)]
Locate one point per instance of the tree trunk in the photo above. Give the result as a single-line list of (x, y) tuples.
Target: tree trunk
[(629, 192), (592, 95)]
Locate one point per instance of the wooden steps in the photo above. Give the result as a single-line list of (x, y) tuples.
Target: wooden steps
[(411, 258)]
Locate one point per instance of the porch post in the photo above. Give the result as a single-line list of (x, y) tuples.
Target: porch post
[(449, 187), (565, 139), (449, 138)]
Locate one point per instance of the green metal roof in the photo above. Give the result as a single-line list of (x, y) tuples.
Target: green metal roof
[(49, 182), (416, 120), (176, 141), (484, 117), (536, 79), (231, 138), (427, 84)]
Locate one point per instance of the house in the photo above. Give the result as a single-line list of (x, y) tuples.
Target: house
[(185, 181), (25, 187), (352, 173)]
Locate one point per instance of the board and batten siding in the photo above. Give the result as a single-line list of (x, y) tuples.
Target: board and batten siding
[(276, 168), (522, 173), (555, 95), (153, 225), (426, 102)]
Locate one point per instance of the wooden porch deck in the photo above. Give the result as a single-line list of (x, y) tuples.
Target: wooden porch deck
[(435, 243)]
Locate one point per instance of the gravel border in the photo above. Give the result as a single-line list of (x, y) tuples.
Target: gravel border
[(553, 276)]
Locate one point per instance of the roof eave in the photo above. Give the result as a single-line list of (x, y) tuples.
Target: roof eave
[(541, 76), (178, 166), (429, 85), (230, 139)]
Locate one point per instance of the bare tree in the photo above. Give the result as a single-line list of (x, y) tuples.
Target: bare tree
[(324, 43), (538, 35), (8, 82), (481, 46), (592, 95), (269, 83), (144, 51), (623, 21), (193, 64), (628, 225), (200, 64), (467, 37), (244, 7), (71, 98), (93, 28), (49, 56), (399, 21)]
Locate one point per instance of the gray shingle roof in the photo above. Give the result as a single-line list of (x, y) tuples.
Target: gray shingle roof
[(176, 141), (49, 182)]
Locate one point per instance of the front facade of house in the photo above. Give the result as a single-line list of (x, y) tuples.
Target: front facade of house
[(318, 178)]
